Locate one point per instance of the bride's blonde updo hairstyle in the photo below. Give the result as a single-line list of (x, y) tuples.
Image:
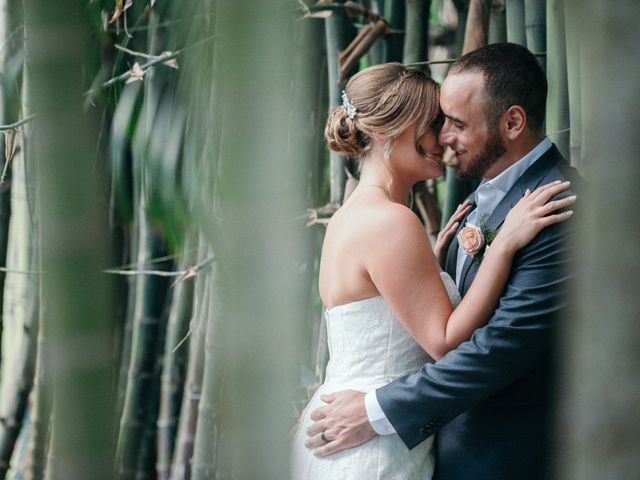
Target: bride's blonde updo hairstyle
[(388, 98)]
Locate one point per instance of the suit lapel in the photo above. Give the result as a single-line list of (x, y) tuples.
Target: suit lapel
[(530, 179)]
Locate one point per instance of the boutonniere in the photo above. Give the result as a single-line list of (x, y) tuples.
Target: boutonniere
[(474, 239)]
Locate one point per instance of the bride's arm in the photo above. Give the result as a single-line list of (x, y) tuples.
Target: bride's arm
[(412, 270)]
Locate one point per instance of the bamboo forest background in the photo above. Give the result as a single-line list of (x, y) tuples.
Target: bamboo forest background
[(163, 197)]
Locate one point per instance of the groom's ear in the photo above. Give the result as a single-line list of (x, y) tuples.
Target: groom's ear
[(516, 121)]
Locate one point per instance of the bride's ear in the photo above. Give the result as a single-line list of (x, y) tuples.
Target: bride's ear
[(379, 138)]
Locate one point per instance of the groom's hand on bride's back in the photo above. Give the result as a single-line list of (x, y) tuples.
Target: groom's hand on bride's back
[(340, 424)]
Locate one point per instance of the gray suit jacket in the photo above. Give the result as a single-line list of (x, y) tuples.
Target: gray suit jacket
[(490, 398)]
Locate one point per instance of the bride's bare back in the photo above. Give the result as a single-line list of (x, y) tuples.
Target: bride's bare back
[(354, 242)]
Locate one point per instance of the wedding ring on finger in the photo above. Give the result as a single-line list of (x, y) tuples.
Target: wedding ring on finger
[(324, 438)]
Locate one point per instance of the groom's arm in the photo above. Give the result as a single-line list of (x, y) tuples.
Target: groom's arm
[(514, 341)]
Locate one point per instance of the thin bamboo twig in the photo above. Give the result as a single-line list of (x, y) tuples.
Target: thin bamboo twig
[(19, 123), (451, 60), (157, 61), (189, 272)]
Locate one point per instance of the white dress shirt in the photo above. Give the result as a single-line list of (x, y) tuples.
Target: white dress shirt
[(488, 195)]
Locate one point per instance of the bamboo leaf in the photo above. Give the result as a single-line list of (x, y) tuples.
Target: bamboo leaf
[(137, 74), (10, 146)]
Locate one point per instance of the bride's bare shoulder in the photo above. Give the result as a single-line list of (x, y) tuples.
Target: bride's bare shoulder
[(383, 222)]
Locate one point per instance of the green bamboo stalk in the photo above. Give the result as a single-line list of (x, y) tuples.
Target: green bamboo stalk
[(8, 111), (41, 411), (536, 27), (146, 469), (462, 8), (498, 22), (575, 54), (122, 204), (185, 437), (23, 291), (557, 121), (75, 298), (394, 12), (598, 362), (259, 298), (151, 292), (416, 30), (139, 403), (14, 408), (376, 51), (207, 435), (309, 108), (174, 362), (339, 32), (516, 32)]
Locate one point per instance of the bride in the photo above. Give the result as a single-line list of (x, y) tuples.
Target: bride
[(389, 307)]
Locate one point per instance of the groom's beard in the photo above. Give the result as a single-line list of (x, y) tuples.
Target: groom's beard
[(492, 150)]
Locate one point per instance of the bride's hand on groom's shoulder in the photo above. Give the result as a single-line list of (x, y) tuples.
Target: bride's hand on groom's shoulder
[(339, 425), (534, 212), (447, 233)]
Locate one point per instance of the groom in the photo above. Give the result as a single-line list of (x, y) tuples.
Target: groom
[(490, 401)]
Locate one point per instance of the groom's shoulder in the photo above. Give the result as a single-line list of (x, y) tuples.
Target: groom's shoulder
[(565, 172)]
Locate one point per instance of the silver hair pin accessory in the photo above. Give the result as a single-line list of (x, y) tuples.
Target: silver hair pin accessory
[(348, 106)]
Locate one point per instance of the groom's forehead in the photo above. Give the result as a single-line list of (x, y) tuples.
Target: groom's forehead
[(464, 84), (460, 93)]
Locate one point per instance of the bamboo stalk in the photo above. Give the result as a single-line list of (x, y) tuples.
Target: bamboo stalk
[(75, 293), (41, 411), (558, 98), (516, 32), (142, 368), (376, 51), (5, 186), (394, 12), (259, 298), (174, 364), (574, 56), (207, 434), (23, 292), (599, 362), (309, 91), (339, 33), (536, 27), (498, 22), (416, 31), (148, 314), (185, 437), (15, 407)]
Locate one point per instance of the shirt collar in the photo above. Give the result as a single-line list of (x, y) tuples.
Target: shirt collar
[(510, 176)]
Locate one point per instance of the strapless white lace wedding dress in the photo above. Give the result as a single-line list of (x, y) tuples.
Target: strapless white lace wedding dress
[(368, 348)]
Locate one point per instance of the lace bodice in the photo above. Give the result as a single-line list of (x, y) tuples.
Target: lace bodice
[(368, 345)]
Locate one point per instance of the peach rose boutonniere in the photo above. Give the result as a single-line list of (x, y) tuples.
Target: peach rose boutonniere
[(473, 239)]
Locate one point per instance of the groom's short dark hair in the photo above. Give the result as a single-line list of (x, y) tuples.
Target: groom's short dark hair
[(513, 76)]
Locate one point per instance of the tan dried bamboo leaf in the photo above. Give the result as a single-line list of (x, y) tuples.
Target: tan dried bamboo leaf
[(119, 9), (137, 74)]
